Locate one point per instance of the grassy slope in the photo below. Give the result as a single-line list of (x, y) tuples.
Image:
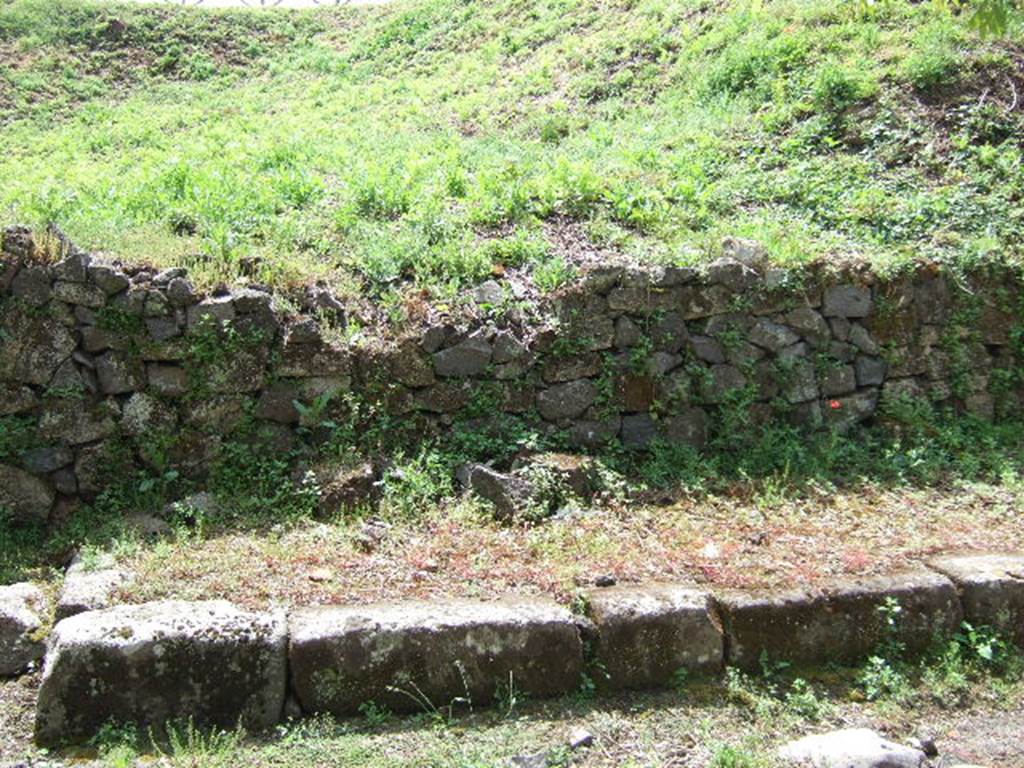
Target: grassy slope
[(427, 140)]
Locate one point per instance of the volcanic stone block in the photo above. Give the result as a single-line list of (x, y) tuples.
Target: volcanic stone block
[(32, 348), (399, 655), (119, 373), (847, 301), (991, 589), (159, 662), (22, 607), (467, 358), (27, 497), (88, 589), (566, 401), (645, 635), (843, 623)]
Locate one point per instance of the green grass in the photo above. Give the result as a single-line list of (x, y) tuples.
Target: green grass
[(423, 143)]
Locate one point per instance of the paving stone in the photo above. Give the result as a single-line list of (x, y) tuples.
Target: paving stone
[(160, 662), (646, 635), (851, 748), (342, 657), (842, 623)]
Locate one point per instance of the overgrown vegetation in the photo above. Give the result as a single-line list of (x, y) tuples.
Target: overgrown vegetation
[(404, 145)]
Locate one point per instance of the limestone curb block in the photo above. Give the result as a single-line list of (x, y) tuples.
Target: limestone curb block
[(161, 662), (991, 589), (22, 607), (645, 635), (398, 654), (842, 624)]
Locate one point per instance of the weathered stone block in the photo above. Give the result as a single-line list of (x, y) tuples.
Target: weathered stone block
[(707, 349), (214, 311), (167, 380), (46, 459), (27, 497), (847, 301), (566, 401), (842, 623), (314, 360), (69, 420), (15, 399), (79, 293), (991, 588), (32, 348), (159, 662), (343, 657), (810, 325), (119, 372), (346, 487), (88, 588), (772, 336), (646, 635), (145, 415), (799, 383), (560, 369), (32, 285), (444, 397), (107, 279), (510, 494), (277, 403), (409, 366), (850, 748), (470, 357), (838, 380), (870, 371), (689, 428), (638, 430), (243, 371), (22, 612), (723, 379), (592, 433)]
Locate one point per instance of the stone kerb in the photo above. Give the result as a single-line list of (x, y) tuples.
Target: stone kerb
[(159, 662), (162, 663), (407, 656)]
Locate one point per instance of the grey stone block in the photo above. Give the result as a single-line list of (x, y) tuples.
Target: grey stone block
[(22, 612), (991, 587), (842, 623), (159, 662), (646, 635), (398, 654)]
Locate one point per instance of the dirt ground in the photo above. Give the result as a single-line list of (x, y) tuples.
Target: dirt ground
[(660, 729), (457, 550)]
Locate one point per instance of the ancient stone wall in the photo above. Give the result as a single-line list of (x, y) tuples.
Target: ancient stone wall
[(103, 368)]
